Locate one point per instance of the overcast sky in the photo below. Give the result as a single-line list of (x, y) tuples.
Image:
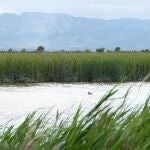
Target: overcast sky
[(107, 9)]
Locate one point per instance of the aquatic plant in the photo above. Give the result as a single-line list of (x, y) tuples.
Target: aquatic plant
[(73, 67)]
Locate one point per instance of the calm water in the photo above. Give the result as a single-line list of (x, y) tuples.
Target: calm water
[(18, 101)]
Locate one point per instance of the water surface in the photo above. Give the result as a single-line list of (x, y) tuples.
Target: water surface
[(18, 101)]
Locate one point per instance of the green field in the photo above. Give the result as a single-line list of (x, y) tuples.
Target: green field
[(102, 128), (73, 67)]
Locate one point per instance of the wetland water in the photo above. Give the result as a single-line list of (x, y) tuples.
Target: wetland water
[(18, 101)]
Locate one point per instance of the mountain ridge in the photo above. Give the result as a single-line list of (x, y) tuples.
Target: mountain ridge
[(62, 31)]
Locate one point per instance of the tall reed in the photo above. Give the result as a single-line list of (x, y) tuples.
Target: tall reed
[(102, 128), (73, 67)]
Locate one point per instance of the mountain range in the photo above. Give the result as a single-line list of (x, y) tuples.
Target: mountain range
[(61, 31)]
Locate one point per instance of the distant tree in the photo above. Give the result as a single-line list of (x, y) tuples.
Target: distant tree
[(10, 50), (117, 49), (23, 50), (40, 49), (147, 50), (87, 51), (100, 50), (62, 51)]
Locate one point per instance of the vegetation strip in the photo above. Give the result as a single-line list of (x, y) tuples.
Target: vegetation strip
[(73, 67)]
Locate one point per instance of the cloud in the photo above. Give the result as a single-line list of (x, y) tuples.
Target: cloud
[(120, 11), (107, 9), (2, 10)]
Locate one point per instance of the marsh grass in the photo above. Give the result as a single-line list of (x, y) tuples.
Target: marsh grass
[(73, 67), (101, 128)]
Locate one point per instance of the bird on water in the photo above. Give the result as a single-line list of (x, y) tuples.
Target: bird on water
[(89, 93)]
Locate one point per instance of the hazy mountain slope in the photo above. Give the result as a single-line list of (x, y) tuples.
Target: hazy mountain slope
[(60, 31)]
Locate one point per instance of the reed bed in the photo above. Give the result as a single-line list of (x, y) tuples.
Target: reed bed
[(102, 128), (73, 67)]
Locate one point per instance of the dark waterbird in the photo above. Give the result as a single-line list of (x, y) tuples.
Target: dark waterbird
[(90, 93)]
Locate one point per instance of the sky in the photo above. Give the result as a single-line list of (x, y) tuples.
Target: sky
[(106, 9)]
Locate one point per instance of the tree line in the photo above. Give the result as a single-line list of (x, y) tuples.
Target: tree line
[(41, 49)]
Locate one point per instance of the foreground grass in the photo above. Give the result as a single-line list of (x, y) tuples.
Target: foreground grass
[(102, 128), (73, 67)]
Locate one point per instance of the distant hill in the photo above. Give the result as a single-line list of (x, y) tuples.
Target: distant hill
[(61, 31)]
